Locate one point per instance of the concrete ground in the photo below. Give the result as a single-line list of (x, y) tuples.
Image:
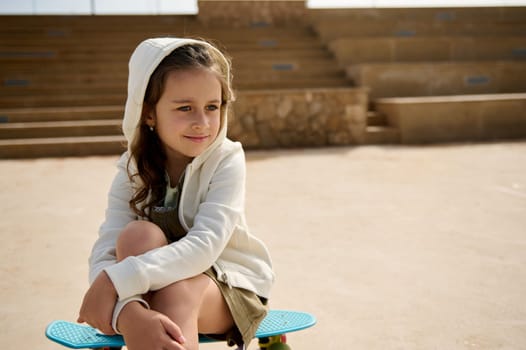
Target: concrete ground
[(391, 247)]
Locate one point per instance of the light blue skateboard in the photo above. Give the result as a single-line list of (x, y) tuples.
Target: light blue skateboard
[(271, 332)]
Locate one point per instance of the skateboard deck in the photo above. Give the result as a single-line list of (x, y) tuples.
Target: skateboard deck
[(79, 336)]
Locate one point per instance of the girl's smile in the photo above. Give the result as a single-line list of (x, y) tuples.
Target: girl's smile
[(197, 139)]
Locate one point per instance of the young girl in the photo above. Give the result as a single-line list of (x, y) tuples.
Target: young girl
[(174, 256)]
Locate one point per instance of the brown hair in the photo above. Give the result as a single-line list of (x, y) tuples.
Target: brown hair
[(146, 149)]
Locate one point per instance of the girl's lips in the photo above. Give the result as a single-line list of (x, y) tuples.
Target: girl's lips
[(197, 139)]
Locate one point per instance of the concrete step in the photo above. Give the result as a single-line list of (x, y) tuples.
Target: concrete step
[(298, 83), (54, 91), (34, 65), (11, 102), (27, 79), (413, 49), (405, 79), (287, 71), (62, 147), (29, 86), (278, 53), (78, 128), (427, 14), (375, 118), (118, 66), (43, 114), (80, 22), (116, 40), (14, 57), (118, 37), (461, 118), (96, 76), (334, 28), (381, 135)]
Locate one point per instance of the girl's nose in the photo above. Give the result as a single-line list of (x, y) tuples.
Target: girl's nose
[(200, 121)]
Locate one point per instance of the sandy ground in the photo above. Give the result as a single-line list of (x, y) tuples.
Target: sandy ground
[(390, 247)]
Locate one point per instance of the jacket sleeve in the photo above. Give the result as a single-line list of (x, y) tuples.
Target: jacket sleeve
[(217, 215), (118, 215)]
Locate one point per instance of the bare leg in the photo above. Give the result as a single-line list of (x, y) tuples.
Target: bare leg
[(196, 304), (139, 237)]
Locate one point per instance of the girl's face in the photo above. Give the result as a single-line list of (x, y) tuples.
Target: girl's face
[(187, 117)]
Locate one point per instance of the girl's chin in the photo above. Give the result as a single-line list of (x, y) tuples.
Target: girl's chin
[(188, 152)]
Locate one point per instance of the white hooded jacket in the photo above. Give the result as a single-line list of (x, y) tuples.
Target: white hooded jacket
[(211, 209)]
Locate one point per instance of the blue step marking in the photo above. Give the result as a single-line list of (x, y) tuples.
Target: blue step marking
[(283, 66), (268, 43), (27, 54), (405, 33), (519, 52), (56, 33), (16, 82), (259, 24), (477, 80), (445, 16)]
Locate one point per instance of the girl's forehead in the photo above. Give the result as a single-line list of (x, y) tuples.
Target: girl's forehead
[(187, 83), (184, 73)]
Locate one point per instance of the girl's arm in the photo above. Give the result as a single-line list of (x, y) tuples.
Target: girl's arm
[(118, 215), (100, 307), (216, 218)]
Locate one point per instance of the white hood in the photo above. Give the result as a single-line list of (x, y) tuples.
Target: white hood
[(143, 62)]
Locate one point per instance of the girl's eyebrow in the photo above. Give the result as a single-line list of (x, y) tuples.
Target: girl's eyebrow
[(181, 101), (190, 101)]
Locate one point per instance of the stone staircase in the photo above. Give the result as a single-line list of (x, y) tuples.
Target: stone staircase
[(64, 78), (61, 131)]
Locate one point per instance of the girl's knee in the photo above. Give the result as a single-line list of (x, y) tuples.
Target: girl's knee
[(138, 237)]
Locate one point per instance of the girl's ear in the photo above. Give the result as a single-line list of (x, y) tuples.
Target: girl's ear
[(148, 115)]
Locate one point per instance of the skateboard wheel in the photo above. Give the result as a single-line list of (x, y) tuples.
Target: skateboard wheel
[(275, 342)]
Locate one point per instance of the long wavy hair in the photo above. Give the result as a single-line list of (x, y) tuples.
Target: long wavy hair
[(147, 150)]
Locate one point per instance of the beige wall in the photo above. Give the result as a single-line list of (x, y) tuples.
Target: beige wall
[(251, 12)]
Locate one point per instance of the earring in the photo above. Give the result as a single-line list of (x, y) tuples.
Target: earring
[(151, 128)]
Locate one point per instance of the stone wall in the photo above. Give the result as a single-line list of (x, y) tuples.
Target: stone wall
[(251, 12), (299, 118)]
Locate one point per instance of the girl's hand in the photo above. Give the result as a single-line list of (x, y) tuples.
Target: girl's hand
[(98, 304), (145, 329)]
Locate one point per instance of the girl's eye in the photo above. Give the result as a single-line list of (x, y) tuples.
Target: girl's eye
[(212, 107), (184, 109)]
